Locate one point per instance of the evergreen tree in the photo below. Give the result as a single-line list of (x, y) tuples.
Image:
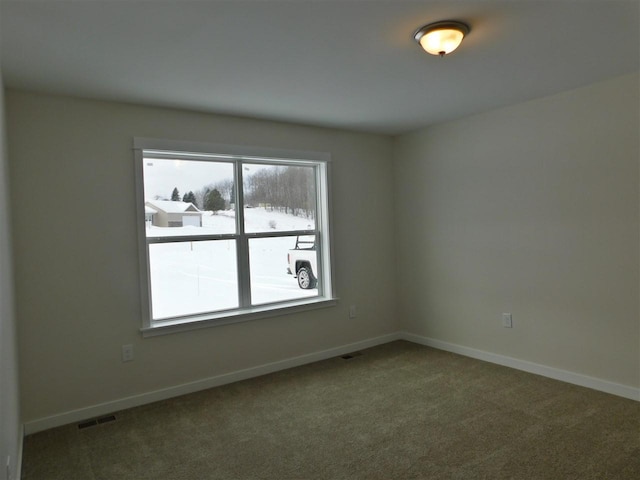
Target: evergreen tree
[(214, 201), (175, 195), (189, 198)]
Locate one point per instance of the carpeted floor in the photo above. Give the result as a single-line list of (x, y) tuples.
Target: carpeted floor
[(398, 411)]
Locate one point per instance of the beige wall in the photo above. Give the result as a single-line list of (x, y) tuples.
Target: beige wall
[(10, 439), (77, 276), (533, 210)]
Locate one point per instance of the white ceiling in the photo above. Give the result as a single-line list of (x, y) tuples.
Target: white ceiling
[(347, 64)]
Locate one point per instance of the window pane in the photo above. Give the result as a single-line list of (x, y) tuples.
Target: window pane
[(269, 260), (193, 277), (280, 198), (188, 197)]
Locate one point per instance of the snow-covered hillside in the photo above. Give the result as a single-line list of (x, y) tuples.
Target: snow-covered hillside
[(196, 277)]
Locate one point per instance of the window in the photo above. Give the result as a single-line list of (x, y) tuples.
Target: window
[(230, 233)]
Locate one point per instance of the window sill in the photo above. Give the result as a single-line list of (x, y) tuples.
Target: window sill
[(165, 327)]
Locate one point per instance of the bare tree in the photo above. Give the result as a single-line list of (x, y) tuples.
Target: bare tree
[(288, 189)]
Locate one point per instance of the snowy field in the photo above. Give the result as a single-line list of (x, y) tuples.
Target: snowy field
[(196, 277)]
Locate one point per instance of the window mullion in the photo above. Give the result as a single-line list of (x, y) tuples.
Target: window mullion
[(319, 228), (194, 238), (242, 245), (322, 199), (143, 246)]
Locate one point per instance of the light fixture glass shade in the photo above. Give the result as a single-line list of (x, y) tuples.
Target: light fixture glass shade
[(441, 38)]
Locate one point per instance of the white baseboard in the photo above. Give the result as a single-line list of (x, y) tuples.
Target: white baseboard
[(93, 411), (550, 372), (183, 389)]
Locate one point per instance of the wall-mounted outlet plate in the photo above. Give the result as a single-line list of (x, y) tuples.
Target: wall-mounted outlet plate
[(127, 353), (353, 311), (507, 321)]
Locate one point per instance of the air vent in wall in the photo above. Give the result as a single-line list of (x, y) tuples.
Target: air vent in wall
[(96, 421), (349, 356)]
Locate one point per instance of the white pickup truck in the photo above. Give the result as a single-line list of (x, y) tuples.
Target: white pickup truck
[(303, 262)]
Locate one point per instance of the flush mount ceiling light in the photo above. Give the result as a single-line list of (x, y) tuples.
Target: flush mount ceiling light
[(441, 38)]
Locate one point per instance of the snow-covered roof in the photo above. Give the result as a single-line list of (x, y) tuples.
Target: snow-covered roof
[(148, 209), (172, 207)]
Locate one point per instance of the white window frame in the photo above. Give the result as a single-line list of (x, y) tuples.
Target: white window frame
[(235, 154)]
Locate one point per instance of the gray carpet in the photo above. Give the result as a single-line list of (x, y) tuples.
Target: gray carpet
[(398, 411)]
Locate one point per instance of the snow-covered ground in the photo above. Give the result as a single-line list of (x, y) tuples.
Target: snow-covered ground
[(196, 277)]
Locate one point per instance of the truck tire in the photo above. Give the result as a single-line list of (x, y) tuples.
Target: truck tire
[(306, 280)]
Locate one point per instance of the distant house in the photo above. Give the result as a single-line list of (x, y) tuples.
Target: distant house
[(149, 213), (165, 213)]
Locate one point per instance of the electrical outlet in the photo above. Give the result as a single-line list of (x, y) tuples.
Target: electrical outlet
[(353, 311), (507, 321), (127, 353)]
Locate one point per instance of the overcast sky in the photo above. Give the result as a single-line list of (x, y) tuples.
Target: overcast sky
[(162, 176)]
